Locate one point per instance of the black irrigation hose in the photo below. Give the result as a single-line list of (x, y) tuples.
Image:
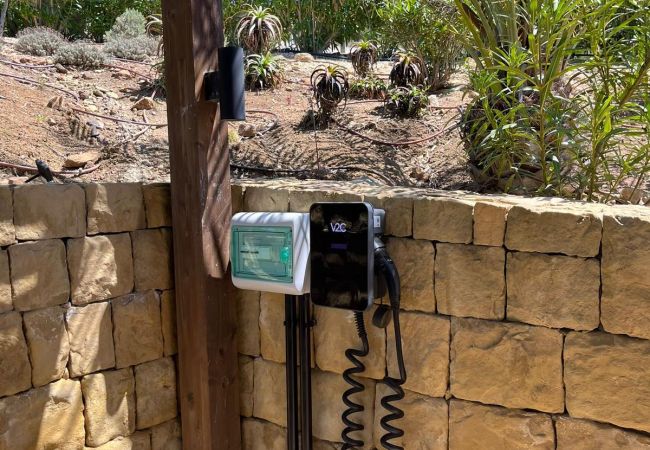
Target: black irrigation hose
[(64, 173), (27, 66), (116, 119), (276, 119), (301, 171), (38, 83), (394, 144), (133, 61), (135, 72)]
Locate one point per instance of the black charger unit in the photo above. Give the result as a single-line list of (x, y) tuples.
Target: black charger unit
[(342, 255)]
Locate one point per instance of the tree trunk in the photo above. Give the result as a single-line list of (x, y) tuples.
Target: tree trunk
[(3, 17)]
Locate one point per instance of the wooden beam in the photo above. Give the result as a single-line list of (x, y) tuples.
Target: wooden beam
[(201, 211)]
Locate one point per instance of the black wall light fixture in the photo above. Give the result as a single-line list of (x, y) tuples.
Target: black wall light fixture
[(226, 86)]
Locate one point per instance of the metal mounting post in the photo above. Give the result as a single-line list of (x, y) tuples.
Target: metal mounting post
[(291, 328), (298, 325)]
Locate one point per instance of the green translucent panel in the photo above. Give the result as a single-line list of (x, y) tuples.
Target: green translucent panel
[(262, 253)]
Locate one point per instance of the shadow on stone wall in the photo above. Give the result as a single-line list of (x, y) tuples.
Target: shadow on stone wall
[(87, 321)]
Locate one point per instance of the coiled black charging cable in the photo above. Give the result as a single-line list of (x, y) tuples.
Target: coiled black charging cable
[(353, 356), (387, 267), (382, 317)]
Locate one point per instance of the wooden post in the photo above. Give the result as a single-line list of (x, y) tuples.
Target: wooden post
[(201, 210)]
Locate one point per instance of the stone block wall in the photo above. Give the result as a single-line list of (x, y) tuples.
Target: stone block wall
[(87, 321), (526, 322), (526, 325)]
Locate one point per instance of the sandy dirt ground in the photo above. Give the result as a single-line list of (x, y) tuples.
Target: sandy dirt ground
[(31, 130)]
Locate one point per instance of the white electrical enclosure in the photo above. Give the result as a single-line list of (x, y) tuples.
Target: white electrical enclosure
[(270, 252)]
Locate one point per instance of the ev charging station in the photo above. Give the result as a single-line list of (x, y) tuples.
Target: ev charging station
[(334, 257)]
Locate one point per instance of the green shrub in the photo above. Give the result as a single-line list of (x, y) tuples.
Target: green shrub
[(80, 54), (406, 102), (136, 49), (39, 41), (130, 24), (368, 88), (562, 88)]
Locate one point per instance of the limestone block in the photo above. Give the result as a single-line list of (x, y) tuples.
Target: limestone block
[(415, 264), (44, 211), (39, 274), (399, 213), (152, 259), (301, 200), (443, 219), (470, 281), (246, 385), (15, 371), (137, 329), (7, 229), (237, 198), (327, 389), (625, 306), (270, 392), (335, 332), (606, 379), (140, 440), (48, 344), (571, 232), (272, 335), (325, 445), (110, 405), (157, 203), (553, 291), (577, 434), (168, 317), (257, 435), (101, 267), (265, 199), (167, 436), (5, 283), (508, 364), (473, 426), (90, 330), (155, 384), (425, 344), (248, 322), (425, 424), (114, 207), (46, 418), (489, 223)]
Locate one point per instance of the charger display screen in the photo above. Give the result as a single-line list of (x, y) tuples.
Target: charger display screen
[(341, 255)]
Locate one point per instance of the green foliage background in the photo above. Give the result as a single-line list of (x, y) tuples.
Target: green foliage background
[(88, 19), (313, 25)]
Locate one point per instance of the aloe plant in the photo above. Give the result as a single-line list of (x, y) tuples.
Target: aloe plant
[(258, 30), (262, 71), (409, 70), (363, 55), (330, 86)]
